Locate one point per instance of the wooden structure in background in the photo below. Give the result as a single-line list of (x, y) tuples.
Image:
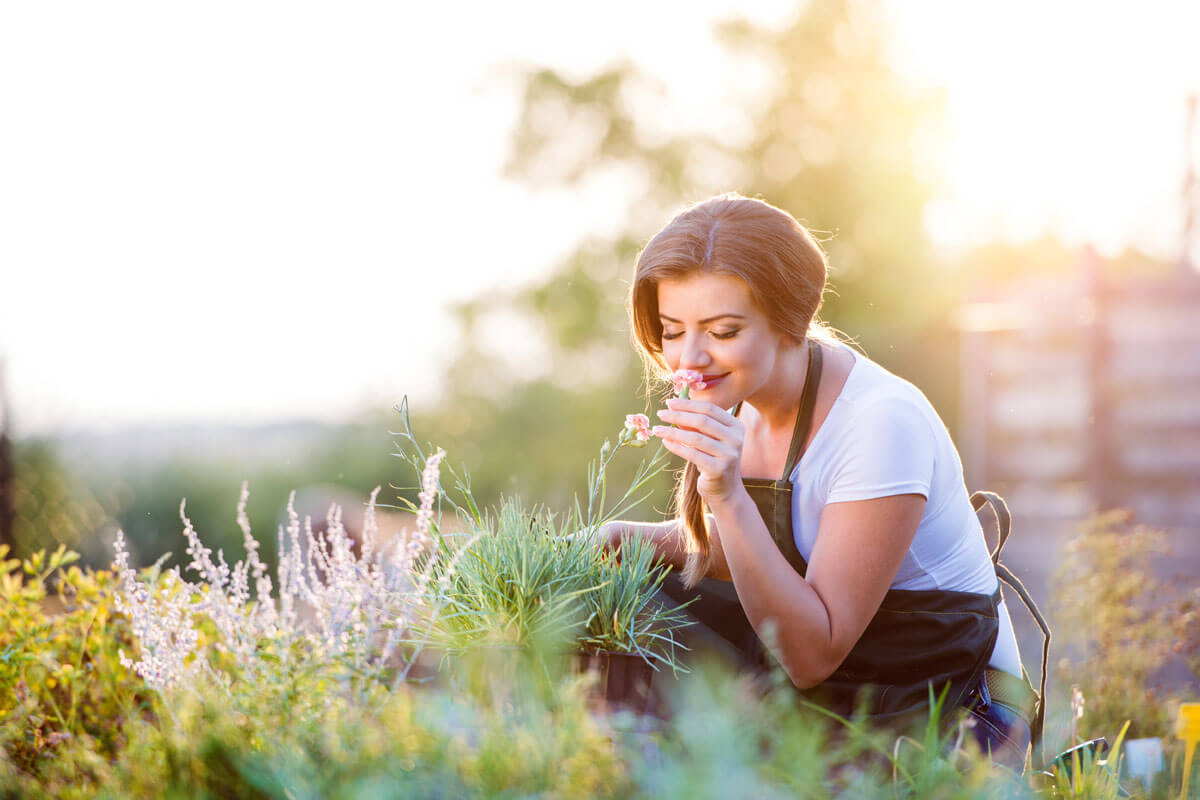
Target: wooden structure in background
[(1083, 395)]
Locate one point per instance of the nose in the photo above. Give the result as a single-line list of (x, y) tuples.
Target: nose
[(694, 354)]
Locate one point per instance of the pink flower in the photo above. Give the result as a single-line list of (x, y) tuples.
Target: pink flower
[(685, 379), (639, 424)]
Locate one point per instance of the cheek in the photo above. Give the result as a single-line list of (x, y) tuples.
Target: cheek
[(743, 355)]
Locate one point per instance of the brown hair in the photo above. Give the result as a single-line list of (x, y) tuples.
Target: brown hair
[(781, 264)]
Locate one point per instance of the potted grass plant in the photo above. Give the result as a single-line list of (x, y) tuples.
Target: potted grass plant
[(533, 583)]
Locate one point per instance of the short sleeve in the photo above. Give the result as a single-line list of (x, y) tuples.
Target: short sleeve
[(888, 450)]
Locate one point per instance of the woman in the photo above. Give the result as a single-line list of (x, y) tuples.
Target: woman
[(865, 565)]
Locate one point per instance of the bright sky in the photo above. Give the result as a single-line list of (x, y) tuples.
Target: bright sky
[(250, 211)]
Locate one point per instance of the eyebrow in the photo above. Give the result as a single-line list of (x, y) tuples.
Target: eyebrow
[(710, 319)]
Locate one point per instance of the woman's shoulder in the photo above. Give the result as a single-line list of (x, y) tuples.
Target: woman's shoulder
[(871, 385), (882, 440)]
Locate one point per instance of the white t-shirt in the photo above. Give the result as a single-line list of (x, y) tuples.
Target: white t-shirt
[(882, 437)]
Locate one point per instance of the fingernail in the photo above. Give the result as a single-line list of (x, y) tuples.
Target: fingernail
[(660, 413), (658, 430)]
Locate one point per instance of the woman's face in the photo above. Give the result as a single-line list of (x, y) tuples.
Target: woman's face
[(711, 325)]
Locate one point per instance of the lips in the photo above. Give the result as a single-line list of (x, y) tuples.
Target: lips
[(711, 380)]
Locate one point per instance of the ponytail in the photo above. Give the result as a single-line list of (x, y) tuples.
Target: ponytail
[(689, 510)]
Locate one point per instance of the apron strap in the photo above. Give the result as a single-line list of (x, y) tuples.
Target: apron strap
[(1004, 527), (804, 416), (1003, 518), (1006, 575)]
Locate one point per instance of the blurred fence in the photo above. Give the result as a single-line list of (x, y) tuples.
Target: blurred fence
[(1082, 394), (1085, 394)]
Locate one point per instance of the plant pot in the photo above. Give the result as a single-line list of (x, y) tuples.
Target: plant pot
[(624, 681)]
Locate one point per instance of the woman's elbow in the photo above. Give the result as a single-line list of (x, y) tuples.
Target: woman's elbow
[(811, 669), (807, 679)]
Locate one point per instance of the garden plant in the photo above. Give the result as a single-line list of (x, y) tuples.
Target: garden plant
[(528, 580)]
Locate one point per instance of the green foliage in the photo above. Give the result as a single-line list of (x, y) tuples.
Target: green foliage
[(1086, 774), (728, 738), (61, 682), (521, 579), (1186, 624), (1115, 623), (524, 582), (398, 744), (294, 733)]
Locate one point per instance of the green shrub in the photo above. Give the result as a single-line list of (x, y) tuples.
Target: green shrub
[(62, 687), (526, 583), (521, 579), (1115, 622)]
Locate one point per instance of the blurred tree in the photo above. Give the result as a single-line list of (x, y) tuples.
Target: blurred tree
[(79, 492), (342, 463), (839, 140), (52, 506)]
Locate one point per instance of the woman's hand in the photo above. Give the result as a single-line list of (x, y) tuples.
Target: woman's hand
[(606, 537), (709, 437)]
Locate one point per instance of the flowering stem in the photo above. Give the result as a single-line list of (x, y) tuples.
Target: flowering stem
[(683, 394), (597, 484), (602, 481)]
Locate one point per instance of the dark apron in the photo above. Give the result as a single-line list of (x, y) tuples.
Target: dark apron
[(916, 638)]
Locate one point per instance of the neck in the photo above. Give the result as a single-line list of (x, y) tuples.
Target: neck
[(776, 404)]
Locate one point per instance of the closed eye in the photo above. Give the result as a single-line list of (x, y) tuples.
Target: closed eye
[(728, 335)]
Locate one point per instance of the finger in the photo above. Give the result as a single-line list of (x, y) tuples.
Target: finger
[(696, 422), (703, 461), (704, 407), (699, 441)]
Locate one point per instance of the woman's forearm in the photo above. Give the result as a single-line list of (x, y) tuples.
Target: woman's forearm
[(671, 546), (665, 536), (773, 593)]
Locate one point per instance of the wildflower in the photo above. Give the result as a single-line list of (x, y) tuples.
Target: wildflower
[(639, 424), (161, 623), (333, 604), (685, 379), (429, 483), (264, 609)]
